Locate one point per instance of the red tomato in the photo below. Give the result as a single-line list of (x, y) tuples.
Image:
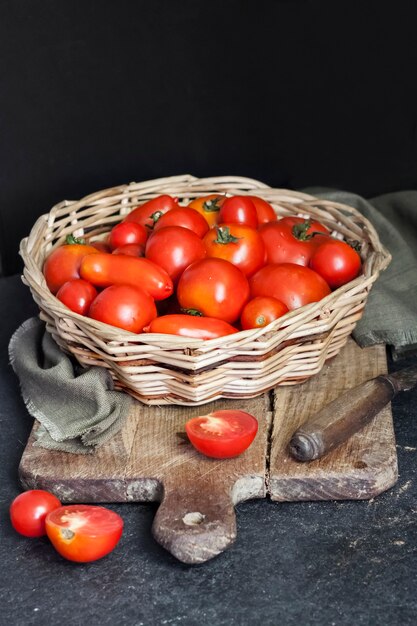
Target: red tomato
[(337, 262), (77, 295), (209, 207), (261, 311), (185, 217), (127, 233), (84, 533), (222, 434), (290, 240), (146, 214), (214, 288), (124, 306), (241, 245), (131, 249), (295, 285), (174, 248), (29, 510), (101, 246), (64, 263), (238, 210), (190, 326), (264, 210), (104, 270)]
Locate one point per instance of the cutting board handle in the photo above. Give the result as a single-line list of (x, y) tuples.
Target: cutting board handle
[(195, 522)]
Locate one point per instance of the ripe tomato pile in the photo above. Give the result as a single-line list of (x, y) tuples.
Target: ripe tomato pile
[(209, 269)]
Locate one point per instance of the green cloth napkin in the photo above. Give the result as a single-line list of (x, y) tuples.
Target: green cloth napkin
[(77, 408)]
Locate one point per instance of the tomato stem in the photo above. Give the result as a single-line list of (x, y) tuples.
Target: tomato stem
[(224, 236), (194, 312), (211, 206), (71, 240)]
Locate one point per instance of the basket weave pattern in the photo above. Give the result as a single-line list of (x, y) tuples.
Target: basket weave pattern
[(166, 369)]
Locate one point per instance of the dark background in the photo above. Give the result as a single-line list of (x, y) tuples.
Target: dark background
[(292, 92)]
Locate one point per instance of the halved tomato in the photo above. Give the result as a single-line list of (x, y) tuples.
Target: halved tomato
[(82, 532), (222, 434)]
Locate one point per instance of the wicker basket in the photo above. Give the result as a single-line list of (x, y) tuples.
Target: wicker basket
[(165, 369)]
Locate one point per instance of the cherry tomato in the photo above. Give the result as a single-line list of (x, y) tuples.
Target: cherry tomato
[(214, 288), (131, 249), (264, 210), (241, 245), (185, 217), (174, 248), (77, 295), (337, 262), (295, 285), (261, 311), (289, 240), (148, 213), (82, 532), (64, 262), (101, 246), (222, 434), (127, 233), (238, 210), (209, 207), (190, 326), (29, 510), (124, 306), (104, 270)]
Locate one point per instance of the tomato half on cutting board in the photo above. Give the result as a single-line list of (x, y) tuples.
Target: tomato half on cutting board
[(222, 434), (82, 532)]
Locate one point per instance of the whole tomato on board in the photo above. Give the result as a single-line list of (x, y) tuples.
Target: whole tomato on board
[(264, 210), (104, 270), (124, 306), (174, 248), (292, 284), (222, 434), (185, 217), (190, 326), (209, 207), (241, 245), (238, 210), (127, 233), (213, 288), (64, 262), (291, 240), (261, 311), (337, 262), (29, 510), (148, 213), (77, 295), (82, 532)]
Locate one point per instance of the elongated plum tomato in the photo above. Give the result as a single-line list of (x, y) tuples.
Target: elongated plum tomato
[(148, 213), (264, 210), (292, 284), (185, 217), (238, 210), (104, 270), (29, 510), (127, 233), (291, 240), (241, 245), (82, 532), (192, 326), (222, 434), (337, 262), (64, 263), (213, 288), (261, 311), (174, 248), (209, 207), (124, 306), (77, 295)]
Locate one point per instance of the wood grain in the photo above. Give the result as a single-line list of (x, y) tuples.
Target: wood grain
[(362, 467)]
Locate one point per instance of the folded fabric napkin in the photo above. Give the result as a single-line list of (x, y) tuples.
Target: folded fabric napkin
[(78, 409)]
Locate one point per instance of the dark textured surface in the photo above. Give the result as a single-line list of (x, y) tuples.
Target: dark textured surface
[(325, 563)]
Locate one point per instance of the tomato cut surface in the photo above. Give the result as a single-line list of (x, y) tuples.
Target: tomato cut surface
[(82, 532), (222, 434)]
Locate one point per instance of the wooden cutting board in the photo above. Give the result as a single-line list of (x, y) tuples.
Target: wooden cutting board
[(147, 461)]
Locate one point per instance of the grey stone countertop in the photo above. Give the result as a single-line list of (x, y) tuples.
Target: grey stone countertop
[(326, 563)]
